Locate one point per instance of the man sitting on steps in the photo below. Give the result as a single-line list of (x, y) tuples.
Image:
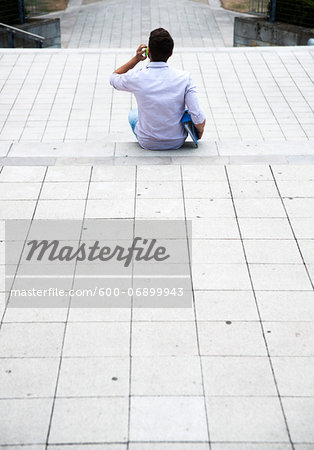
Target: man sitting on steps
[(162, 95)]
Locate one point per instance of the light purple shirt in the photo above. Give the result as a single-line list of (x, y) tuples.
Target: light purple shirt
[(162, 95)]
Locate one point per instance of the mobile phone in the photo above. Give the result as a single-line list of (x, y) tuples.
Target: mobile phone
[(147, 50)]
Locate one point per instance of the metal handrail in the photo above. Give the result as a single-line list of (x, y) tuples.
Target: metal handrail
[(12, 31)]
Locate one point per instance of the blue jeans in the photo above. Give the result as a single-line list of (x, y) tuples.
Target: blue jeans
[(133, 119)]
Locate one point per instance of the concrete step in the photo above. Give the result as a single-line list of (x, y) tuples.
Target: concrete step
[(129, 152)]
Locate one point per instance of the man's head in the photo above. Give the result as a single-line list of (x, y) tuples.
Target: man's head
[(160, 45)]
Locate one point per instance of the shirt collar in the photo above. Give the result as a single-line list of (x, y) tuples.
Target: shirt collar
[(157, 64)]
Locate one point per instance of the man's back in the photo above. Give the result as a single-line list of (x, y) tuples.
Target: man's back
[(160, 92), (162, 95)]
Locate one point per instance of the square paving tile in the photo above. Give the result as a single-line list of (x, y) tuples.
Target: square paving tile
[(294, 376), (307, 250), (97, 339), (228, 419), (31, 340), (220, 277), (4, 148), (68, 174), (64, 191), (166, 376), (88, 447), (17, 209), (259, 207), (89, 420), (28, 377), (225, 305), (249, 172), (32, 314), (202, 208), (60, 209), (299, 207), (158, 173), (250, 446), (168, 419), (113, 173), (286, 306), (263, 228), (238, 376), (300, 417), (215, 228), (77, 314), (204, 173), (23, 174), (298, 188), (145, 314), (93, 377), (231, 339), (217, 251), (110, 209), (24, 421), (272, 251), (295, 172), (111, 190), (280, 277), (310, 268), (206, 189), (172, 446), (159, 189), (28, 447), (303, 227), (164, 339), (19, 191), (304, 446), (290, 338), (159, 208), (254, 189)]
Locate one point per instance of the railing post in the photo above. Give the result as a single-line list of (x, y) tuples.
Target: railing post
[(22, 11), (11, 43), (260, 7), (273, 4)]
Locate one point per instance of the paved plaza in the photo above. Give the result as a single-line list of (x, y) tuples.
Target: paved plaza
[(234, 369), (125, 23), (58, 103)]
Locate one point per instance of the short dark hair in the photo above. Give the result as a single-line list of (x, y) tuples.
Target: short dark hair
[(160, 45)]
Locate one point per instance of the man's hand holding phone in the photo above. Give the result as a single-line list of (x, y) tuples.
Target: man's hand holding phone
[(141, 55), (142, 52)]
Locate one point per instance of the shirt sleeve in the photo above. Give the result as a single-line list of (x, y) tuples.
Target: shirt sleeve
[(192, 103), (125, 82)]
